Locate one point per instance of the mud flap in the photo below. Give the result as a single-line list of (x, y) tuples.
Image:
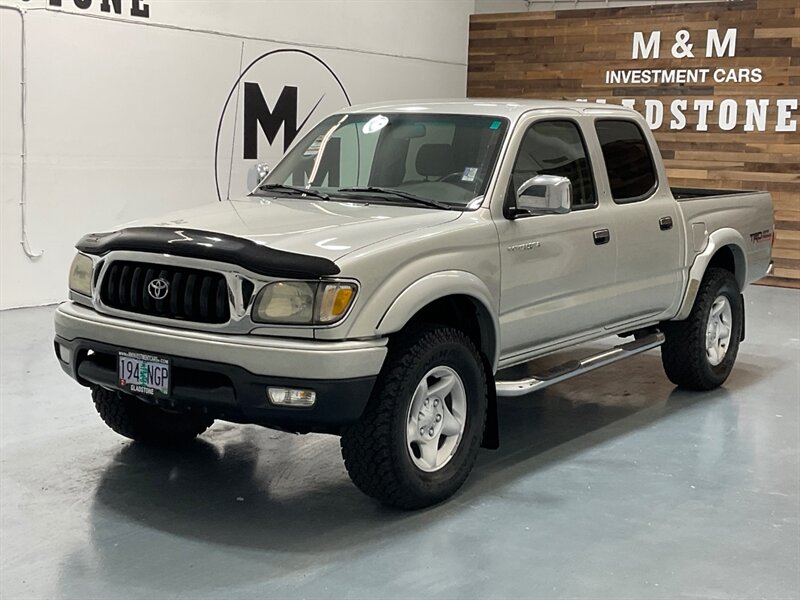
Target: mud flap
[(744, 318), (491, 431)]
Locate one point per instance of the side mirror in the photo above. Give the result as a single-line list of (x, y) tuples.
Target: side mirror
[(544, 194), (256, 175)]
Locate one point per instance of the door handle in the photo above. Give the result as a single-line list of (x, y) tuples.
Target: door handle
[(601, 236), (665, 223)]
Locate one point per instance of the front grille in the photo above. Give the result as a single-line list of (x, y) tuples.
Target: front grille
[(192, 295)]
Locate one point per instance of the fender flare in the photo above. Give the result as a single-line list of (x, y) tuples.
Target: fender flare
[(717, 240), (438, 285)]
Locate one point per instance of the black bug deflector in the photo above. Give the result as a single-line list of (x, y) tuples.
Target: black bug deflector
[(209, 245)]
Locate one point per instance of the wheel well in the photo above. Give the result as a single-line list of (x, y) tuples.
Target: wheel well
[(473, 318), (464, 313), (730, 258)]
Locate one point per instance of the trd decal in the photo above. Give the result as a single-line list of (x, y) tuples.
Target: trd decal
[(761, 236)]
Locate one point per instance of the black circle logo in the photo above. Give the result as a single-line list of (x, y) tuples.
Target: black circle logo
[(274, 98)]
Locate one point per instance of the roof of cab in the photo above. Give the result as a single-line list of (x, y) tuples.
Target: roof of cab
[(503, 107)]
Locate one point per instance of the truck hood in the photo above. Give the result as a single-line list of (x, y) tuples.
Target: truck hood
[(314, 227)]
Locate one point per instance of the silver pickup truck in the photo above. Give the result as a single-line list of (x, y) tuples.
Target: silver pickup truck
[(381, 278)]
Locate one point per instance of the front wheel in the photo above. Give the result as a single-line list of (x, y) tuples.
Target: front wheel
[(419, 436), (132, 418), (698, 353)]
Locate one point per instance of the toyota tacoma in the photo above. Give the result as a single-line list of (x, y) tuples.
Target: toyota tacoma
[(381, 279)]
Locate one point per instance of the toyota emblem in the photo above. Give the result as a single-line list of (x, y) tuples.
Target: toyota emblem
[(158, 288)]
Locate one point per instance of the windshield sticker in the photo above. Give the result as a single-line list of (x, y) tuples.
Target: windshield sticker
[(376, 123), (495, 125), (469, 174)]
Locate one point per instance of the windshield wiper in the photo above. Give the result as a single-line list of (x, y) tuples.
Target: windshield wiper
[(279, 187), (399, 193)]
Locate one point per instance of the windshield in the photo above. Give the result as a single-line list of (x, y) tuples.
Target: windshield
[(446, 160)]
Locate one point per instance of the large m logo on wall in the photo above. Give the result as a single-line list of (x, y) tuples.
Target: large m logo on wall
[(257, 114), (274, 99)]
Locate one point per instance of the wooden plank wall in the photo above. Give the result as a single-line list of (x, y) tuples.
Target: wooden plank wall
[(565, 55)]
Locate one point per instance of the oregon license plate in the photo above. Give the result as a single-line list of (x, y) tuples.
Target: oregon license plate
[(144, 374)]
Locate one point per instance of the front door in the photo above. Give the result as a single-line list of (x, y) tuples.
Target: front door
[(558, 271)]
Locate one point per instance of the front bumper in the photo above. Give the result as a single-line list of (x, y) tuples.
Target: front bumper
[(227, 376)]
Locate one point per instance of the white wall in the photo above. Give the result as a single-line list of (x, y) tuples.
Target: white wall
[(122, 111)]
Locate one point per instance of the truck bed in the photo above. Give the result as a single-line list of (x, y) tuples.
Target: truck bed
[(698, 193), (745, 212)]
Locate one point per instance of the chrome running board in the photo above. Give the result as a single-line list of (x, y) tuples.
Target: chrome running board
[(574, 368)]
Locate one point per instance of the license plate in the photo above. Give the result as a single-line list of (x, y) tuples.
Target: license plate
[(144, 374)]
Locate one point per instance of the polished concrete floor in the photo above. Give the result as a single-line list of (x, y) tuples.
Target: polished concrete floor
[(615, 485)]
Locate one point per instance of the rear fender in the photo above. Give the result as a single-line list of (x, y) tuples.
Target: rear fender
[(719, 239)]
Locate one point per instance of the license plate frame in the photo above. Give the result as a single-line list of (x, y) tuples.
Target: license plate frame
[(144, 374)]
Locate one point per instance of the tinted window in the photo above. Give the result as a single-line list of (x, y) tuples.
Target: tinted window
[(628, 161), (556, 148)]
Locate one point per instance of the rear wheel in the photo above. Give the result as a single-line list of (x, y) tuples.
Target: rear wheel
[(419, 436), (699, 353), (132, 418)]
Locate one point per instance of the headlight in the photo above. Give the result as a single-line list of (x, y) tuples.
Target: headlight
[(303, 302), (285, 302), (80, 275)]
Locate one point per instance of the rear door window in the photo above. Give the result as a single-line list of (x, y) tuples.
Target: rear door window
[(629, 164)]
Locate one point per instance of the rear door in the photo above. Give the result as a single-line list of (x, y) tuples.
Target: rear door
[(645, 218), (557, 270)]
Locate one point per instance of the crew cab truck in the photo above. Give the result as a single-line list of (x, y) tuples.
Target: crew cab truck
[(381, 278)]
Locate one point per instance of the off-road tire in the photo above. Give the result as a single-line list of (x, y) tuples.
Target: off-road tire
[(132, 418), (683, 353), (374, 449)]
